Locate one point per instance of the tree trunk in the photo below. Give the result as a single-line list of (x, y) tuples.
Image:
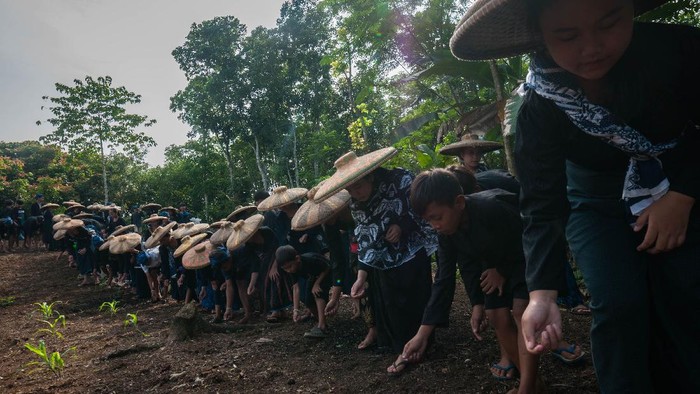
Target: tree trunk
[(104, 172), (263, 175), (508, 140), (296, 159)]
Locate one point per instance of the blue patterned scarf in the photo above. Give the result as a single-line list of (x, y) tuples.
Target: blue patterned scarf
[(645, 181)]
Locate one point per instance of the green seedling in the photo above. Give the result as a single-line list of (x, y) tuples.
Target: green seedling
[(7, 301), (133, 320), (51, 361), (110, 306), (52, 329), (46, 309)]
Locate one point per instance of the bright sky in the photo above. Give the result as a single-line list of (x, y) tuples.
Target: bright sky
[(47, 41)]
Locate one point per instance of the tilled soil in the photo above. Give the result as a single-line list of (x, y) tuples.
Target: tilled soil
[(262, 357)]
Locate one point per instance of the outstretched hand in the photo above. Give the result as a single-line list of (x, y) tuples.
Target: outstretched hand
[(541, 322)]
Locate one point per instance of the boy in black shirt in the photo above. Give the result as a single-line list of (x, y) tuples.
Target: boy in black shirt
[(315, 268), (482, 233)]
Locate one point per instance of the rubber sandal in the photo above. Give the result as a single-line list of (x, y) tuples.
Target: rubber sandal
[(315, 333), (398, 372), (580, 310), (505, 370), (571, 350)]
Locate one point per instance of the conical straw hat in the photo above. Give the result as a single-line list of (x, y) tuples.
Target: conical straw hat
[(187, 243), (313, 213), (496, 29), (196, 229), (59, 217), (84, 215), (179, 232), (233, 216), (221, 235), (243, 230), (123, 229), (124, 243), (198, 256), (350, 168), (59, 235), (280, 197), (154, 218), (70, 203), (169, 208), (105, 244), (217, 224), (78, 207), (158, 234), (470, 141), (67, 223), (150, 206), (94, 207), (50, 206)]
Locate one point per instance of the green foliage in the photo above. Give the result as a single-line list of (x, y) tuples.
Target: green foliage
[(110, 307), (46, 309), (7, 301), (133, 320), (52, 327), (51, 361)]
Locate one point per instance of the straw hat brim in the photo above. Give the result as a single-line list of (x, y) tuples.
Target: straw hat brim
[(64, 224), (179, 232), (124, 243), (241, 234), (80, 207), (221, 235), (70, 203), (196, 229), (278, 200), (123, 229), (348, 173), (105, 244), (496, 29), (313, 213), (232, 216), (169, 208), (151, 205), (198, 256), (83, 215), (59, 217), (158, 234), (59, 235), (155, 218), (188, 243), (482, 146), (50, 206), (94, 207)]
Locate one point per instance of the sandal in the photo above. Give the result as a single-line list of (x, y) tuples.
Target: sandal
[(315, 333), (399, 367), (504, 377), (558, 353), (580, 310)]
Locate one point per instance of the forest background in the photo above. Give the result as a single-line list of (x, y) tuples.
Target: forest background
[(276, 106)]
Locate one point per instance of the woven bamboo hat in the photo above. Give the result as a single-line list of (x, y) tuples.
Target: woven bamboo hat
[(66, 223), (198, 256), (350, 168), (150, 206), (59, 235), (179, 232), (187, 243), (241, 210), (70, 203), (95, 207), (280, 197), (105, 244), (50, 206), (154, 218), (77, 207), (59, 217), (243, 230), (124, 243), (221, 235), (217, 224), (169, 208), (495, 29), (470, 141), (313, 213), (196, 229), (158, 234), (84, 215), (110, 207), (122, 229)]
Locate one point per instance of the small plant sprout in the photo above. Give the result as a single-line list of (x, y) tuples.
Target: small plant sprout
[(7, 301), (111, 307), (52, 329), (51, 361), (133, 320), (46, 309)]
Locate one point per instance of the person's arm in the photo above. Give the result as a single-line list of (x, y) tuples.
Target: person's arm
[(358, 288), (229, 299), (252, 284), (295, 300), (317, 283), (437, 310)]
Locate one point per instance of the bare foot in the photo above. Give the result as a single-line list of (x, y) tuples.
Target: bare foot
[(369, 339), (398, 366), (244, 319)]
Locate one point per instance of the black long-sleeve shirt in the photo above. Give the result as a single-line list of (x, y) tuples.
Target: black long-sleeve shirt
[(655, 89), (489, 237)]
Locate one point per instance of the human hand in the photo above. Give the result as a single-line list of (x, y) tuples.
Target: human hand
[(296, 315), (251, 288), (414, 349), (214, 285), (274, 273), (228, 314), (181, 280), (393, 234), (304, 238), (316, 290), (223, 286), (82, 251), (358, 288), (492, 280), (478, 321), (541, 322), (666, 221), (331, 308)]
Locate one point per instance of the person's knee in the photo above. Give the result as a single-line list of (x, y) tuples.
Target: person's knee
[(499, 318)]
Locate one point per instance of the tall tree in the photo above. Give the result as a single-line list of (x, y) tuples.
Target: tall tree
[(91, 116)]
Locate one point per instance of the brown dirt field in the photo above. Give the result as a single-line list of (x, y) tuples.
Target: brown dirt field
[(112, 359)]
